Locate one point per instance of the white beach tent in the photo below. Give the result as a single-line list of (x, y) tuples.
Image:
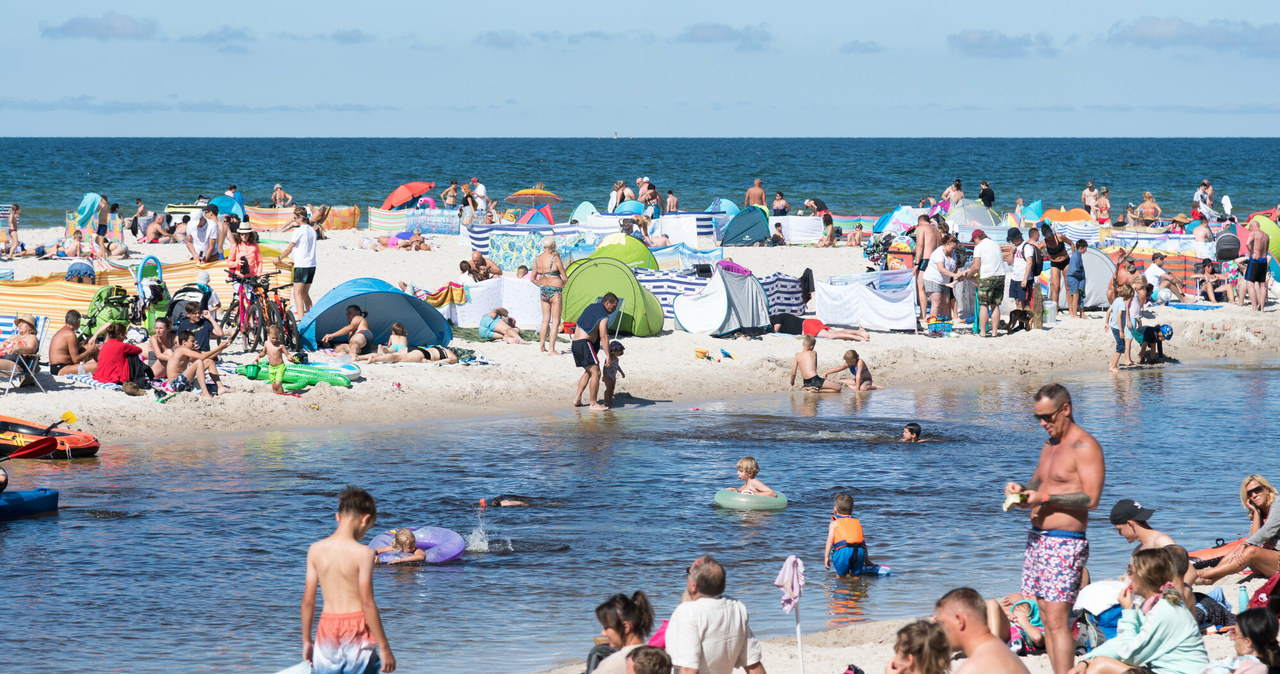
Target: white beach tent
[(1098, 270), (729, 302)]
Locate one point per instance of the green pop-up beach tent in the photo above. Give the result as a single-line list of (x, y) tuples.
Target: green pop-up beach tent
[(589, 279)]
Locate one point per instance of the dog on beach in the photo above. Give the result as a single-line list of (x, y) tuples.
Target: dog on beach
[(1019, 319)]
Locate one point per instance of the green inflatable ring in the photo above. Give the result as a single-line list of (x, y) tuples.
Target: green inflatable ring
[(733, 500), (309, 376)]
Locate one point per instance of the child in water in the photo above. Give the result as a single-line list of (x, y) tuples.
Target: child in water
[(911, 432), (858, 368), (612, 370), (748, 469), (846, 547), (405, 543)]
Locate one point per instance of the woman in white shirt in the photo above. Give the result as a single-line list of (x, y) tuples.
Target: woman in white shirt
[(940, 271)]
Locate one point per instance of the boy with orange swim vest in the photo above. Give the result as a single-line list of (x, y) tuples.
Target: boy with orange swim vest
[(846, 546)]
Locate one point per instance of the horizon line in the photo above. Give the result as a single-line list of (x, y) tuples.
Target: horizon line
[(646, 137)]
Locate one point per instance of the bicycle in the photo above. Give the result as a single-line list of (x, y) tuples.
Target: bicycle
[(250, 312), (278, 313)]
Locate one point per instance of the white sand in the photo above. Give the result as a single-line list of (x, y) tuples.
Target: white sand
[(658, 369)]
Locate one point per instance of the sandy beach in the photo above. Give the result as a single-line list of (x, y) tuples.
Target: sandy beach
[(660, 370)]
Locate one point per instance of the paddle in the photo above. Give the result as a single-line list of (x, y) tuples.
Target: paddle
[(67, 417), (35, 450)]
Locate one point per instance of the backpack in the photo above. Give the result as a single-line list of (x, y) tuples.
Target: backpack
[(1036, 261), (1263, 595), (110, 304)]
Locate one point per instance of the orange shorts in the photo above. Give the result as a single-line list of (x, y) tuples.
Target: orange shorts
[(344, 645)]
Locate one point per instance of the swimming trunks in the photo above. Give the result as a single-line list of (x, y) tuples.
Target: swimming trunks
[(275, 373), (368, 337), (991, 290), (179, 384), (486, 326), (102, 230), (55, 368), (584, 353), (1257, 272), (814, 382), (1019, 293), (1053, 563), (924, 264), (549, 292), (813, 326), (304, 274), (344, 645)]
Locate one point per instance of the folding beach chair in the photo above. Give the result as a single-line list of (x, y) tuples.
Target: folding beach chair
[(26, 364), (615, 318)]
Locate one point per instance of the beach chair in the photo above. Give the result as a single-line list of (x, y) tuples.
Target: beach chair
[(615, 318), (27, 365)]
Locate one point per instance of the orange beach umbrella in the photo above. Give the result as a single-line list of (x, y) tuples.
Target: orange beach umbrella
[(532, 197), (406, 193)]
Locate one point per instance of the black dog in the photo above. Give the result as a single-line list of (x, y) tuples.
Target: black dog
[(1019, 320)]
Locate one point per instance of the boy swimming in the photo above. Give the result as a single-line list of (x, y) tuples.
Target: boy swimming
[(349, 636), (405, 543), (911, 432), (748, 469), (846, 547)]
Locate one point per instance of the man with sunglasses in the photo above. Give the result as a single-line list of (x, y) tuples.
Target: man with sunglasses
[(1065, 486)]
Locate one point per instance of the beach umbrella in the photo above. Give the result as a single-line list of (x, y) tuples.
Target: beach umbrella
[(532, 197), (227, 206), (791, 581), (406, 193), (87, 210)]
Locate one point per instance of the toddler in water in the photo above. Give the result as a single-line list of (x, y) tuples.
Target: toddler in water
[(846, 547), (612, 370), (858, 368), (748, 469), (404, 543)]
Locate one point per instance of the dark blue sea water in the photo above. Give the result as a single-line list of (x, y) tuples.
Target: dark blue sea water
[(189, 555), (48, 176)]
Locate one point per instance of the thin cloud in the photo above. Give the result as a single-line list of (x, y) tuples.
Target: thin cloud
[(860, 47), (747, 38), (227, 39), (997, 45), (1152, 32), (501, 39), (109, 26), (347, 37), (90, 104)]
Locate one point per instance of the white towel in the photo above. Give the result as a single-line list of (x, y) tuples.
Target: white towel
[(791, 581)]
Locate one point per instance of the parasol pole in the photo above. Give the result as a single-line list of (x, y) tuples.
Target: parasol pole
[(799, 646)]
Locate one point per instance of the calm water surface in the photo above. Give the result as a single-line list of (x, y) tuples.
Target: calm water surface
[(182, 556)]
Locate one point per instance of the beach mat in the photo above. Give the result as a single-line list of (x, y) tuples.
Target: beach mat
[(473, 335)]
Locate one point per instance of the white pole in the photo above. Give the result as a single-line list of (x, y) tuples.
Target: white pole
[(799, 648)]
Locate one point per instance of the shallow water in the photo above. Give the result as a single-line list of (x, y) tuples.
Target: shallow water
[(187, 556)]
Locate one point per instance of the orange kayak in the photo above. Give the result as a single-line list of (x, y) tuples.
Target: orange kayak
[(17, 433)]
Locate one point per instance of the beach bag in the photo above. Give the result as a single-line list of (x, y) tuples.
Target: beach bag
[(1262, 597), (111, 304), (1035, 262)]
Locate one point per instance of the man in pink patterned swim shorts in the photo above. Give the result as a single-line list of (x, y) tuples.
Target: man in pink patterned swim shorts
[(1065, 486)]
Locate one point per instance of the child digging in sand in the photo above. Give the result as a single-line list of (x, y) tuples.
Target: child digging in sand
[(350, 634), (274, 352), (806, 363), (748, 469), (858, 368), (404, 543)]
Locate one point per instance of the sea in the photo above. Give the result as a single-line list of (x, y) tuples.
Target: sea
[(854, 176), (187, 554)]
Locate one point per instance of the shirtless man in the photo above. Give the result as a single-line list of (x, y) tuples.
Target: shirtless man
[(1089, 198), (954, 193), (65, 351), (1255, 277), (1202, 232), (1065, 486), (673, 202), (806, 362), (350, 627), (927, 238), (104, 219), (963, 616), (1130, 521), (755, 195), (484, 266), (187, 367), (359, 335), (161, 345)]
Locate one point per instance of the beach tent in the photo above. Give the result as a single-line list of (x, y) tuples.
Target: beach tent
[(897, 221), (1098, 271), (722, 205), (627, 249), (385, 304), (537, 216), (730, 302), (1033, 211), (227, 206), (1268, 227), (971, 213), (640, 312), (630, 206), (748, 228), (584, 210)]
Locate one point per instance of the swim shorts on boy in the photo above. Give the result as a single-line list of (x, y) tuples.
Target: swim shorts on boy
[(1053, 563), (275, 373), (344, 645)]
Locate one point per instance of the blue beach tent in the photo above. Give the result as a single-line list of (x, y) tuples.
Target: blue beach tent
[(227, 206), (630, 206), (385, 304), (722, 205), (748, 228), (584, 210)]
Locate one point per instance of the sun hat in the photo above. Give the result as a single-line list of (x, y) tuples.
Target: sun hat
[(1181, 219), (1129, 510), (616, 346), (26, 318)]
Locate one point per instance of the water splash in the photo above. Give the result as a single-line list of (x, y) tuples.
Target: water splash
[(478, 539)]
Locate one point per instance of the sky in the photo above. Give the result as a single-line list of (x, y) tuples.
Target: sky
[(653, 69)]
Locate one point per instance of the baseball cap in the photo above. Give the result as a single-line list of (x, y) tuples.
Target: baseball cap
[(1129, 510), (979, 234), (475, 179)]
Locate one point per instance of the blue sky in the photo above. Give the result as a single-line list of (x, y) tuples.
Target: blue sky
[(578, 69)]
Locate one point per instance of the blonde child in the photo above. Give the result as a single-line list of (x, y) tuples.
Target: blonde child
[(846, 546), (748, 469), (806, 364), (404, 543), (1116, 320), (858, 368), (274, 351), (611, 371)]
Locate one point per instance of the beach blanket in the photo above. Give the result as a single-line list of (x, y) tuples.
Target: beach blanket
[(448, 294), (859, 304), (88, 380), (115, 228)]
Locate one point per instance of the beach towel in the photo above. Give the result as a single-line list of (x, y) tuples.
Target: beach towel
[(791, 581), (88, 380)]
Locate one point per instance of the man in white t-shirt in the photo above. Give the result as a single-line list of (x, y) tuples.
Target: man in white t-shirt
[(710, 634), (481, 195), (303, 246), (1020, 276), (202, 237), (988, 262), (1164, 287)]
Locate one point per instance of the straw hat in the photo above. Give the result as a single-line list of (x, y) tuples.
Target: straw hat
[(26, 318), (1181, 219)]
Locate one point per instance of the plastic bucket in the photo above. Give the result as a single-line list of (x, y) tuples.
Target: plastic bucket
[(1050, 312)]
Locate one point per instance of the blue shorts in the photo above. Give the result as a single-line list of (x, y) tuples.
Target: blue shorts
[(1073, 285), (81, 270), (1115, 332), (486, 326), (852, 560)]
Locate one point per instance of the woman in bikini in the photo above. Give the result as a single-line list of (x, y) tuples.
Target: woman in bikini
[(1149, 209), (549, 275), (280, 198), (413, 354), (1102, 207), (1057, 249), (450, 195)]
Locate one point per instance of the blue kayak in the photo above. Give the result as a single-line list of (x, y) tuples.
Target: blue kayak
[(14, 504)]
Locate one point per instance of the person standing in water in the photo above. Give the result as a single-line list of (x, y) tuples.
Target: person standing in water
[(1065, 486)]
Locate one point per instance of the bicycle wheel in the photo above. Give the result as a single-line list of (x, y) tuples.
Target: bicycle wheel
[(230, 324), (292, 338), (256, 331)]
